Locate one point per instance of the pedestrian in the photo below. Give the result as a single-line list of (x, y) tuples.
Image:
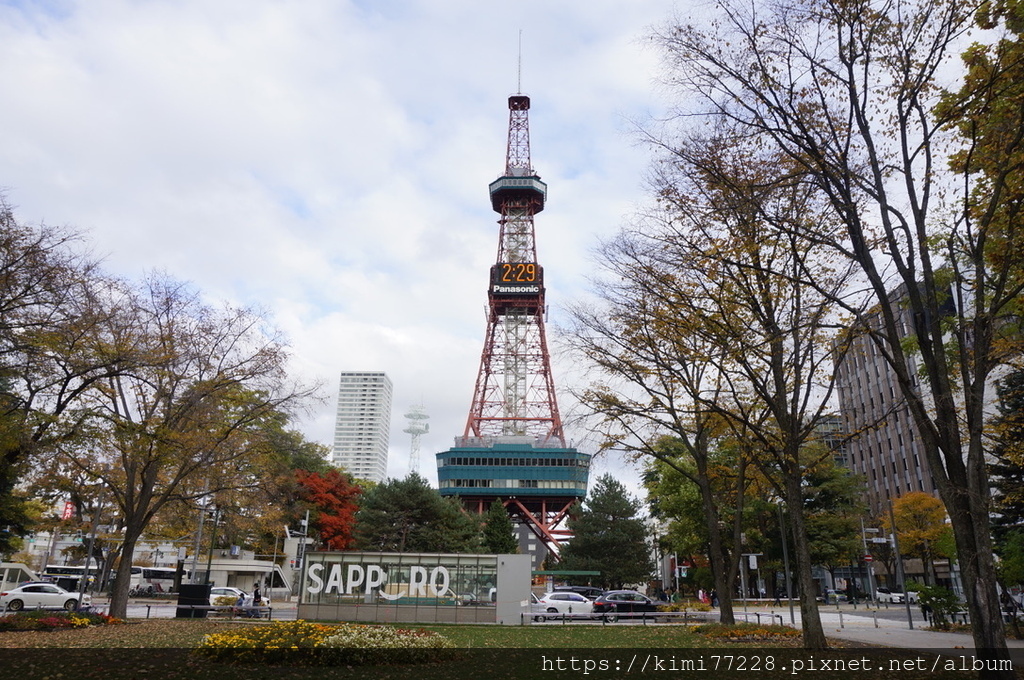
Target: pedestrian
[(778, 597), (714, 598), (257, 598)]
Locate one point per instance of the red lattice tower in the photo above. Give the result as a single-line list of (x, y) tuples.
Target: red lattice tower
[(515, 393)]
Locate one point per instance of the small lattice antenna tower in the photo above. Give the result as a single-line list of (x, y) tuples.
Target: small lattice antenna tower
[(416, 427)]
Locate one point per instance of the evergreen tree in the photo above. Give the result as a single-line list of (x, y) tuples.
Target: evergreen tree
[(454, 530), (499, 536), (1007, 467), (1007, 474), (609, 537), (407, 515)]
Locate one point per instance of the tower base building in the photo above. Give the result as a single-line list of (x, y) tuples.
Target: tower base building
[(537, 481)]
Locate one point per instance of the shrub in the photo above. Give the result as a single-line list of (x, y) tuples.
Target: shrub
[(301, 642), (745, 632), (49, 620), (685, 606), (941, 603)]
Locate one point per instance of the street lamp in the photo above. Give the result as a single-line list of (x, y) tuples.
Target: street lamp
[(213, 535), (785, 563)]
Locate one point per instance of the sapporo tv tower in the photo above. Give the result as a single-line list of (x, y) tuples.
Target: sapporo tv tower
[(513, 450)]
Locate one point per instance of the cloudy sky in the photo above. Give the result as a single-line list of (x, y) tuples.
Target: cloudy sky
[(328, 161)]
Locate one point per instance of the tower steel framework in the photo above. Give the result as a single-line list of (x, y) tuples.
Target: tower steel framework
[(513, 449)]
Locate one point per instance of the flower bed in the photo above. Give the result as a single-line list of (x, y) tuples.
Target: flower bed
[(50, 620), (301, 642)]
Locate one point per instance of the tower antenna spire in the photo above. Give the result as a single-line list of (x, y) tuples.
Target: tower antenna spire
[(519, 75)]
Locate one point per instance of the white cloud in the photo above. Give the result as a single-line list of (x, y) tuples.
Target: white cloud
[(328, 161)]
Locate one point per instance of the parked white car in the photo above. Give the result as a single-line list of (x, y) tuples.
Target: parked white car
[(226, 591), (41, 596), (883, 594), (897, 596), (562, 602)]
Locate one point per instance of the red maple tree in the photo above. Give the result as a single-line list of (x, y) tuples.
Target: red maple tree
[(334, 498)]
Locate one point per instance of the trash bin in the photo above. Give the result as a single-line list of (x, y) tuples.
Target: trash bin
[(197, 594)]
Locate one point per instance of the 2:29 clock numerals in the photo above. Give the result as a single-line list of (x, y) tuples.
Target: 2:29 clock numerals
[(518, 272)]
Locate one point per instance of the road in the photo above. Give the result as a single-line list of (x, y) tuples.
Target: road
[(164, 609)]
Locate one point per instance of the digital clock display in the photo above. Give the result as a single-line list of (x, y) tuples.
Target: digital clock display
[(516, 278), (517, 272)]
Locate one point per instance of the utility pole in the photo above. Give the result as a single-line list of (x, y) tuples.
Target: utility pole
[(301, 555), (868, 562), (90, 545), (899, 566)]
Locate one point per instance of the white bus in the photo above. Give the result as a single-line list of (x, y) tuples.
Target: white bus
[(152, 580), (68, 576)]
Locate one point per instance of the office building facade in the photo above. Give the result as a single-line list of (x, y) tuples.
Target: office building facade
[(885, 447), (362, 427)]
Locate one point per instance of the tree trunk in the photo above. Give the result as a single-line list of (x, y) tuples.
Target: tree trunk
[(814, 634), (123, 580), (979, 579), (722, 567)]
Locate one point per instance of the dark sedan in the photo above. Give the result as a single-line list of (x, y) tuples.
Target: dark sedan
[(616, 603)]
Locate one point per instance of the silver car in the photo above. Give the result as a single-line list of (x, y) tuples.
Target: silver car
[(42, 596)]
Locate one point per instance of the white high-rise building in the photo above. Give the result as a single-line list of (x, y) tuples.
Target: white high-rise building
[(362, 425)]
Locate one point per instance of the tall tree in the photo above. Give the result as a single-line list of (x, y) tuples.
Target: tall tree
[(652, 380), (834, 506), (703, 493), (334, 497), (728, 296), (408, 515), (499, 534), (921, 529), (848, 93), (1007, 473), (609, 537), (269, 496), (1007, 461), (49, 355), (187, 420)]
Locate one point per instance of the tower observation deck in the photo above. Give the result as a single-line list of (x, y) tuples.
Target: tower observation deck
[(513, 449)]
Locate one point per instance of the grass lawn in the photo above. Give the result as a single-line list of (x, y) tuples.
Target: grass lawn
[(159, 649), (572, 636), (184, 634)]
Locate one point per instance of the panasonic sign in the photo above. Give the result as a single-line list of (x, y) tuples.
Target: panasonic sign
[(516, 290)]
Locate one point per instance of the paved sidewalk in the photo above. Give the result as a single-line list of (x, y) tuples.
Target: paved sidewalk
[(861, 626)]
